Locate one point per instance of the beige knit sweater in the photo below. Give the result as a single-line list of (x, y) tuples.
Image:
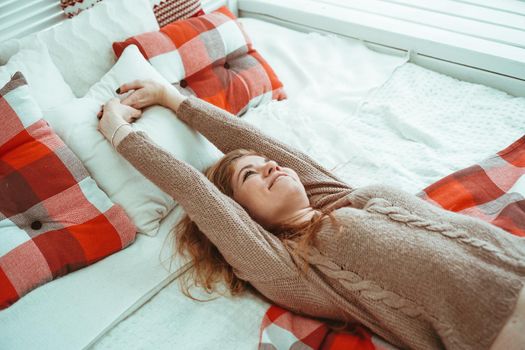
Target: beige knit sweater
[(417, 275)]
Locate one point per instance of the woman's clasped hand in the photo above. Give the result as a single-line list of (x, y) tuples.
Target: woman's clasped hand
[(141, 94)]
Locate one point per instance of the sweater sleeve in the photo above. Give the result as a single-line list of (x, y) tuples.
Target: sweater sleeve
[(253, 252), (229, 133)]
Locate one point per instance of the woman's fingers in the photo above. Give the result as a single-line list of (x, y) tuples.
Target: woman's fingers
[(134, 85), (112, 102), (142, 93), (133, 100), (133, 116), (114, 114), (101, 112)]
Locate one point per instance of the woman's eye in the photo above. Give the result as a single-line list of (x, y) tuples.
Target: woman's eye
[(246, 174)]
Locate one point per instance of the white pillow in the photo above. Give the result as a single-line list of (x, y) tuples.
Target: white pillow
[(44, 79), (76, 123), (8, 49), (81, 47)]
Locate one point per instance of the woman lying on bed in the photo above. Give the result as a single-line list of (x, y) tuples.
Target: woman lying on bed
[(267, 216)]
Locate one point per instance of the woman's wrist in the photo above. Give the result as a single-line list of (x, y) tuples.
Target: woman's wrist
[(172, 98), (120, 134)]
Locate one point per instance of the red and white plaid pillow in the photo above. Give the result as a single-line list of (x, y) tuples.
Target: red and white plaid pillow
[(53, 217), (210, 56), (492, 190), (166, 11)]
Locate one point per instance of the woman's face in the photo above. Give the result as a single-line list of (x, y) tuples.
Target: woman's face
[(268, 192)]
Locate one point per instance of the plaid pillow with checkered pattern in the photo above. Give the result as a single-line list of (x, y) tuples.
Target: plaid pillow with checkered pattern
[(282, 329), (210, 56), (492, 190), (53, 217)]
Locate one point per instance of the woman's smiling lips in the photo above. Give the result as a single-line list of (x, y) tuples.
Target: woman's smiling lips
[(275, 179)]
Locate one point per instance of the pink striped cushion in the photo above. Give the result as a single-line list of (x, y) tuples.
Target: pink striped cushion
[(53, 217), (166, 11), (72, 8)]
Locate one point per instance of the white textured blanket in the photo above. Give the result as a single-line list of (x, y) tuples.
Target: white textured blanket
[(416, 128)]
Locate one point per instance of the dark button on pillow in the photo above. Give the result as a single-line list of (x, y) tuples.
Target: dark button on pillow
[(183, 83), (36, 225), (226, 65)]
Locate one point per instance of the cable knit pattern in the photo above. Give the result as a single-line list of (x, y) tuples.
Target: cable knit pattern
[(367, 289), (419, 276), (382, 206)]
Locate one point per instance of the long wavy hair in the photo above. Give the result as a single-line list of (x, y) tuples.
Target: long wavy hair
[(209, 266)]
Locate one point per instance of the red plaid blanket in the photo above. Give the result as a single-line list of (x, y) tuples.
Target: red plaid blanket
[(493, 191)]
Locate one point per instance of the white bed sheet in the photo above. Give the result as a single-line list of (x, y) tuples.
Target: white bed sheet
[(411, 131), (72, 312)]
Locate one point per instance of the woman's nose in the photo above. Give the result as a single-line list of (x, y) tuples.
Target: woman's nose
[(270, 167)]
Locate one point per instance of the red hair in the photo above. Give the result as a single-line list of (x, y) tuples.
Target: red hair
[(209, 266)]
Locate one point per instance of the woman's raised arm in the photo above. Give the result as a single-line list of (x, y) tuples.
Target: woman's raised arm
[(254, 253), (228, 133)]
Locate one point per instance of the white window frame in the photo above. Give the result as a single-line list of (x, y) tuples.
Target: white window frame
[(19, 18), (485, 44), (481, 41)]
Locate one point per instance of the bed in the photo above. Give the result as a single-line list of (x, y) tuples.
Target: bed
[(370, 117)]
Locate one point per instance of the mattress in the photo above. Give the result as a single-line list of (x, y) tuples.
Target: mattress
[(407, 127), (367, 116)]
